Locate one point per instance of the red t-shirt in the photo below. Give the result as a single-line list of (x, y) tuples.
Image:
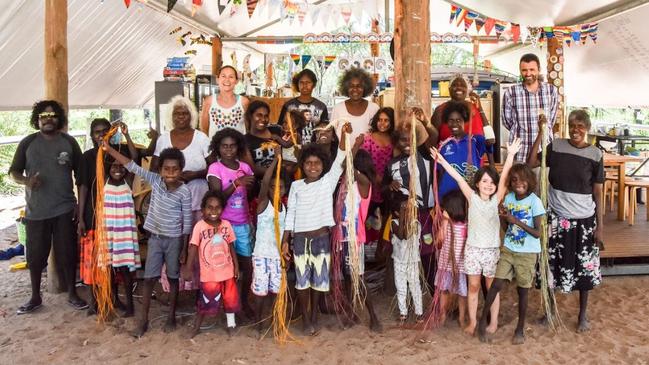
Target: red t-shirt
[(214, 250), (476, 123)]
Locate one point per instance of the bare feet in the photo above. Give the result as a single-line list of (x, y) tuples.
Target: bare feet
[(193, 331), (170, 325), (491, 329), (230, 331), (470, 329), (461, 321), (583, 325), (402, 319), (375, 326), (519, 337), (483, 332), (420, 319), (141, 328), (128, 313)]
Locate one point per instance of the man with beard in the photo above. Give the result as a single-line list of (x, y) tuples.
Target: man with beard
[(44, 163), (524, 102)]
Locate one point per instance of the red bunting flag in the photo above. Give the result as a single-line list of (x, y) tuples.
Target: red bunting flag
[(516, 32), (127, 3), (251, 5), (489, 25), (195, 5)]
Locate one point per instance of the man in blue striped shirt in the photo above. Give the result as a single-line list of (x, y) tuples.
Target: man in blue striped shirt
[(169, 221)]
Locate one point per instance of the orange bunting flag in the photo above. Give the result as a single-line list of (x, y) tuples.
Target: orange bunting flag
[(489, 25)]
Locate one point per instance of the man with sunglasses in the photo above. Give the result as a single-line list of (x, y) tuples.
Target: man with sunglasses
[(44, 162)]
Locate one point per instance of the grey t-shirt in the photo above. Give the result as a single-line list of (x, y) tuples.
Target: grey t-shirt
[(55, 160)]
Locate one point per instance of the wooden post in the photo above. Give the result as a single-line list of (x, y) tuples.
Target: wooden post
[(56, 88), (374, 48), (411, 57), (555, 77), (217, 57)]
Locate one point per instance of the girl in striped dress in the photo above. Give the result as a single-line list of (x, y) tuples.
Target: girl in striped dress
[(121, 232)]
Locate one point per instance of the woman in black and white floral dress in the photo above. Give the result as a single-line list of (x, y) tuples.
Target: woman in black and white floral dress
[(574, 213)]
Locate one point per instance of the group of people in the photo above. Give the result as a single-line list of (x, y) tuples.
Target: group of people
[(243, 204)]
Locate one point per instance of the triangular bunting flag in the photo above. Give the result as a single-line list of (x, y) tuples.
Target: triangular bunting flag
[(346, 12), (453, 13), (592, 33), (221, 4), (516, 32), (127, 3), (500, 27), (549, 32), (171, 4), (301, 13), (328, 60), (251, 5), (196, 4), (468, 21), (489, 25), (479, 22), (295, 58), (305, 60), (461, 14)]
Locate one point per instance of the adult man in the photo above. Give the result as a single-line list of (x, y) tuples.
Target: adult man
[(44, 162), (524, 102)]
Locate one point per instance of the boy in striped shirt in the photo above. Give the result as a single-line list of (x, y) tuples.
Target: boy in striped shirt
[(169, 222)]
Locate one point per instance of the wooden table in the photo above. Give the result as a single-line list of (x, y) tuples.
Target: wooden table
[(611, 160)]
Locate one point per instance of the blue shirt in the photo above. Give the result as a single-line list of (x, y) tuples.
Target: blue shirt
[(170, 212), (456, 152), (516, 239)]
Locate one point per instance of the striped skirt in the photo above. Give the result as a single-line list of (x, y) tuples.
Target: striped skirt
[(121, 227)]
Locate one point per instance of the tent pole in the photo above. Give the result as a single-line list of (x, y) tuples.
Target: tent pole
[(56, 88), (412, 57)]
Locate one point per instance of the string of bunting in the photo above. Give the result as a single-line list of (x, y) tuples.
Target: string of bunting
[(576, 34)]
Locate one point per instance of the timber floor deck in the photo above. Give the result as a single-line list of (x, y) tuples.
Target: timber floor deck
[(624, 241)]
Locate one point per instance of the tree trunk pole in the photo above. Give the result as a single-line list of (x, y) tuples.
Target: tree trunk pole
[(56, 88), (411, 57), (217, 57), (556, 77)]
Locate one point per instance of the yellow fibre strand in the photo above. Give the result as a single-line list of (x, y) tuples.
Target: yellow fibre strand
[(280, 322), (358, 299), (547, 293), (414, 178), (291, 129), (101, 259)]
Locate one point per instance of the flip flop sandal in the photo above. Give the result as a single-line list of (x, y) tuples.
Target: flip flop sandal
[(78, 304), (28, 308)]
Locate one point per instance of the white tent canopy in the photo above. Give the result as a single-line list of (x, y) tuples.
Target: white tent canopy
[(115, 54)]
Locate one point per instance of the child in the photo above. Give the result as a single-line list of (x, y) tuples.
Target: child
[(364, 175), (169, 222), (405, 254), (266, 264), (483, 237), (308, 219), (233, 178), (521, 219), (450, 279), (212, 243), (121, 230)]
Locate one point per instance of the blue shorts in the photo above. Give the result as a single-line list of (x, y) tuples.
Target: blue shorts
[(243, 243)]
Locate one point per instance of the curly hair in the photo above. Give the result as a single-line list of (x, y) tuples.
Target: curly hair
[(355, 73), (489, 170), (375, 119), (315, 150), (524, 172), (180, 100), (172, 153), (295, 81), (223, 134), (213, 194), (456, 106), (252, 108), (40, 107)]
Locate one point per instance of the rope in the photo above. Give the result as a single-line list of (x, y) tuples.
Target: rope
[(101, 257)]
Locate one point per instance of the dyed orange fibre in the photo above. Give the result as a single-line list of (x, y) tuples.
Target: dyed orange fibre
[(101, 260)]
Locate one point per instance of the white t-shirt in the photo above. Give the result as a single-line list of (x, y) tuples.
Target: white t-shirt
[(195, 154), (360, 124), (483, 222)]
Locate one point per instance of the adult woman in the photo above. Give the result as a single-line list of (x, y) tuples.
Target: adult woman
[(225, 109), (356, 84), (194, 145), (574, 213), (304, 82), (459, 90)]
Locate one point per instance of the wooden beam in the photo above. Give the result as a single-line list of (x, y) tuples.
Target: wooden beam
[(374, 47), (555, 76), (217, 57), (411, 57), (56, 88)]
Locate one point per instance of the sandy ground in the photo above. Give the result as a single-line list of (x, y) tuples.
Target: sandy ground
[(57, 334)]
